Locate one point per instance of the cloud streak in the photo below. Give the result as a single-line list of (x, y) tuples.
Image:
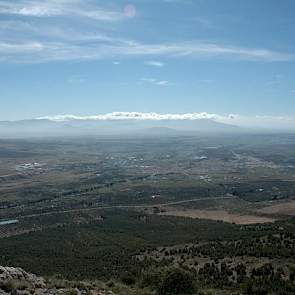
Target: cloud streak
[(131, 116), (154, 63), (28, 47), (30, 37), (104, 48), (154, 81), (54, 8)]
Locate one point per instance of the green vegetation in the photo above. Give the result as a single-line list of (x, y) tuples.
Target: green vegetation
[(175, 282), (102, 249)]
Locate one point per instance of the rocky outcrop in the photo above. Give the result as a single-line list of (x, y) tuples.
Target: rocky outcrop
[(16, 281)]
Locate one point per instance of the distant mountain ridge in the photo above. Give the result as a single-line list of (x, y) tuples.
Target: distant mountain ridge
[(73, 127)]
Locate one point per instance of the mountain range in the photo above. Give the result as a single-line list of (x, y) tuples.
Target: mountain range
[(78, 127)]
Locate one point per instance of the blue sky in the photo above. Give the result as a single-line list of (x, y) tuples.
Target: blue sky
[(89, 57)]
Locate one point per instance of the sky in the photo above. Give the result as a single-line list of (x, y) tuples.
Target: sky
[(228, 58)]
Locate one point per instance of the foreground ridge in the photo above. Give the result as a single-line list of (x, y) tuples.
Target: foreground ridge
[(16, 281)]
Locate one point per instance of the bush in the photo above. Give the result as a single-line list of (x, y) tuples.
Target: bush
[(177, 282), (72, 292), (110, 284), (151, 278), (128, 279), (10, 285)]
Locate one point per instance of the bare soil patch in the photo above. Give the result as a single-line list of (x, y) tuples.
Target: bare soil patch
[(219, 215)]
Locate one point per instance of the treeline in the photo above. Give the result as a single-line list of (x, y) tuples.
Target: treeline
[(280, 245), (261, 280)]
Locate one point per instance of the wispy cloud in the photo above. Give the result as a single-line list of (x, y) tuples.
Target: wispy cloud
[(112, 48), (155, 82), (163, 83), (53, 8), (149, 80), (155, 63), (35, 37), (27, 47), (265, 122)]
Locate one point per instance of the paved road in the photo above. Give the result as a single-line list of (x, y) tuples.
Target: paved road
[(124, 207)]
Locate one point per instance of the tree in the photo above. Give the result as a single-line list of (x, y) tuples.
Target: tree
[(177, 282)]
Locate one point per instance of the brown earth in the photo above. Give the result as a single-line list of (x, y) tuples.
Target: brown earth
[(219, 215)]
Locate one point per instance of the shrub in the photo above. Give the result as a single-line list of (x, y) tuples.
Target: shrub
[(177, 282), (72, 292), (128, 279), (151, 278), (12, 284)]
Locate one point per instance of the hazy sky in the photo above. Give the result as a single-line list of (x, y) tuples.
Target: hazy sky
[(87, 57)]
